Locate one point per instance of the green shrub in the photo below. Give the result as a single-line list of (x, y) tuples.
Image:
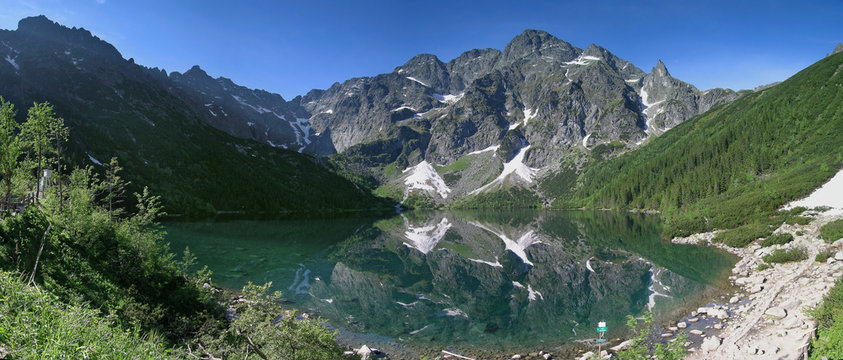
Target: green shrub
[(777, 239), (643, 344), (763, 266), (829, 315), (785, 255), (832, 231), (799, 233), (743, 235), (822, 256)]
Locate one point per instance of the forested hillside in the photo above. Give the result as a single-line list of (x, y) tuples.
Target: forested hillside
[(735, 163)]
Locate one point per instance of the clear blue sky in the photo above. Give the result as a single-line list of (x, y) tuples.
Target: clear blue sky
[(290, 47)]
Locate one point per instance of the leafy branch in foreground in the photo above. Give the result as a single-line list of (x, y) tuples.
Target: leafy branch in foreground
[(645, 342)]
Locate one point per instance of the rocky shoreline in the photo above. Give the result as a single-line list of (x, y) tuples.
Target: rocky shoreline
[(766, 317)]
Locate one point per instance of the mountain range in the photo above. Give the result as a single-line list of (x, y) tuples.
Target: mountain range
[(489, 122)]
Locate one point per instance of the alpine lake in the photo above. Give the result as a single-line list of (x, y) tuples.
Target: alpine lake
[(472, 282)]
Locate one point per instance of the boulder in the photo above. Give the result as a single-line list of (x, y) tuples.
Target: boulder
[(756, 288), (696, 332), (776, 313), (838, 256), (622, 346), (734, 300), (681, 325), (710, 343), (516, 356), (364, 352)]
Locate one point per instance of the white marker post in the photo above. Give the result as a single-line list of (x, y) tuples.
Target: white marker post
[(601, 330)]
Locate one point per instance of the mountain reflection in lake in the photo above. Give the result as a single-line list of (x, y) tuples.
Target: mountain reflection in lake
[(496, 280)]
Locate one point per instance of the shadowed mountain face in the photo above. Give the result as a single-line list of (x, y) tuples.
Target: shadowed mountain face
[(494, 280), (114, 107)]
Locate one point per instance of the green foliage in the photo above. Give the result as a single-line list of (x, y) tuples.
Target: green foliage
[(743, 235), (645, 342), (259, 329), (832, 231), (10, 148), (777, 239), (829, 315), (735, 164), (35, 325), (823, 255), (785, 255), (763, 266)]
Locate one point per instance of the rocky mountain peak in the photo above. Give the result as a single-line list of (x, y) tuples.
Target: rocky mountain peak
[(38, 23), (535, 43), (45, 29), (426, 69), (195, 71), (660, 70), (838, 48)]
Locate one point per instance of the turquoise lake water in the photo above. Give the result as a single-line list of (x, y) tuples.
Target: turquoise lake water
[(491, 280)]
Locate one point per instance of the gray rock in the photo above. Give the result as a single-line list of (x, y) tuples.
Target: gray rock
[(516, 356), (681, 325), (776, 313), (624, 345), (756, 288), (693, 320), (710, 343), (364, 352), (696, 332), (838, 256), (734, 300)]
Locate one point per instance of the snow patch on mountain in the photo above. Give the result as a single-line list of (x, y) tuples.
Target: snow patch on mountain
[(649, 110), (533, 294), (583, 60), (424, 177), (13, 63), (515, 166), (450, 98), (417, 80), (497, 262), (490, 148)]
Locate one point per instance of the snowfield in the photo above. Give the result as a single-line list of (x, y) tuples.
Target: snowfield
[(424, 177)]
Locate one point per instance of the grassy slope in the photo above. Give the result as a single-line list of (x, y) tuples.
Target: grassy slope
[(734, 163)]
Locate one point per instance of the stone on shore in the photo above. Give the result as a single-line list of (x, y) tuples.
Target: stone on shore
[(681, 325), (364, 352), (696, 332), (776, 313), (622, 346), (710, 343)]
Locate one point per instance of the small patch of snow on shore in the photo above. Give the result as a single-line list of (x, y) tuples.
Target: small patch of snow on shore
[(829, 194)]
